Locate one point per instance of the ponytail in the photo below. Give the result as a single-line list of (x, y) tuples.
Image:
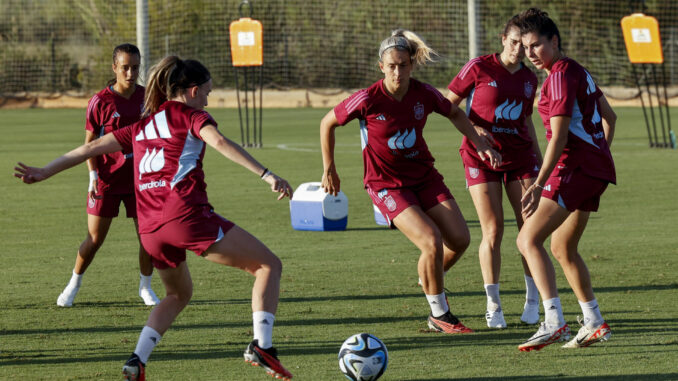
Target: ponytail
[(169, 77), (405, 40)]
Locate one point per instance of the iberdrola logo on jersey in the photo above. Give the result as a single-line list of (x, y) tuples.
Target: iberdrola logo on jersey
[(152, 161), (508, 111), (403, 140)]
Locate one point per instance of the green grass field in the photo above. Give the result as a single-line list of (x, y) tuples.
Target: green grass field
[(334, 284)]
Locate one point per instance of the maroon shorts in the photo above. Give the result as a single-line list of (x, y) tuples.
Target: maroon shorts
[(196, 232), (109, 204), (478, 173), (391, 202), (575, 191)]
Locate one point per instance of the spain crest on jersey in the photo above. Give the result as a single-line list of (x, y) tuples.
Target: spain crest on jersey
[(528, 89), (418, 111)]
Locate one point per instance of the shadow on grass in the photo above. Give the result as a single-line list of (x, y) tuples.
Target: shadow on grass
[(643, 376)]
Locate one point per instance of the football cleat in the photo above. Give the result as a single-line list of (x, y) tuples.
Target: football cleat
[(588, 335), (447, 323), (267, 359), (530, 314), (67, 296), (134, 369), (495, 319), (546, 334), (149, 297)]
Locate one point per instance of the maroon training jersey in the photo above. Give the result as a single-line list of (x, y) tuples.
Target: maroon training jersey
[(108, 111), (168, 152), (499, 102), (394, 151), (570, 91)]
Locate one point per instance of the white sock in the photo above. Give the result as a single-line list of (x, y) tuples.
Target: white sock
[(591, 312), (145, 281), (76, 280), (148, 339), (531, 291), (262, 322), (438, 304), (553, 312), (493, 301)]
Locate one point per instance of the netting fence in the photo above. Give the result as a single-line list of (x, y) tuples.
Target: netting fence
[(65, 46)]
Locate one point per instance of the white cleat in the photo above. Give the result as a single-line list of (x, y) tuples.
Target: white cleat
[(149, 297), (495, 319), (530, 314), (67, 296), (546, 335), (588, 335)]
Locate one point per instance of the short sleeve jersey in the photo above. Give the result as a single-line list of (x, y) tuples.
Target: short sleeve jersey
[(499, 102), (168, 152), (569, 90), (108, 111), (394, 151)]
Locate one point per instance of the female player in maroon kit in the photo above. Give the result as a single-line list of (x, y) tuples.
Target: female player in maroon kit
[(111, 175), (174, 213), (576, 170), (499, 92), (399, 174)]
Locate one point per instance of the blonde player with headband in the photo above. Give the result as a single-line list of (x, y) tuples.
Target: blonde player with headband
[(399, 174)]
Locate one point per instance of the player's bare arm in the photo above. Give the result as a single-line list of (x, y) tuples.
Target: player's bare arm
[(330, 180), (30, 175)]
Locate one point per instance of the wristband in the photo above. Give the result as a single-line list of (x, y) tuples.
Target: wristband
[(538, 186), (263, 173), (93, 176), (266, 174)]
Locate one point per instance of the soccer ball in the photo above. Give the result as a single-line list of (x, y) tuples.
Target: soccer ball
[(363, 357)]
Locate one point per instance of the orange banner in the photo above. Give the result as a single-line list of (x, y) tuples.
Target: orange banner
[(247, 45), (641, 35)]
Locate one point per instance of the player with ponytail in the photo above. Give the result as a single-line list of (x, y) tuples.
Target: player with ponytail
[(174, 213), (399, 174)]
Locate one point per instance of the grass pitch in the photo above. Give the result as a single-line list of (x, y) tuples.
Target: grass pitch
[(334, 284)]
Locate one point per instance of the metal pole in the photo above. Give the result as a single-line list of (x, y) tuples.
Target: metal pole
[(642, 103), (666, 105), (237, 95), (655, 141), (247, 108), (261, 102), (473, 29), (659, 106), (254, 108), (142, 38)]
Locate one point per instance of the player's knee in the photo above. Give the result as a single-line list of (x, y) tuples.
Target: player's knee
[(563, 253), (492, 235), (272, 267), (523, 244), (431, 245), (184, 295), (95, 240)]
